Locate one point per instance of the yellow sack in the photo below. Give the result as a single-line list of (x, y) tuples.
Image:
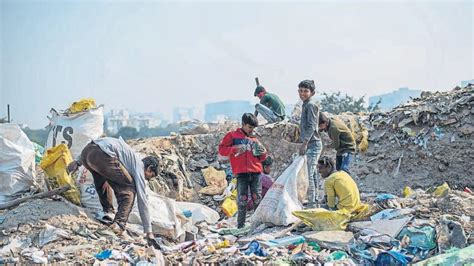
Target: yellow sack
[(407, 191), (442, 190), (215, 180), (82, 105), (54, 163), (324, 220)]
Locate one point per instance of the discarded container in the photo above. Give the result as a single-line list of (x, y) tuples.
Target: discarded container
[(229, 206), (255, 248)]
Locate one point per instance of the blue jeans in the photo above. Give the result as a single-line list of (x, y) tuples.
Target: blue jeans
[(312, 154), (343, 161), (267, 113)]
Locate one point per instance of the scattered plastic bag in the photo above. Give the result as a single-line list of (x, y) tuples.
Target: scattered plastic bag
[(50, 234), (422, 238), (54, 163), (215, 180), (199, 212), (442, 190), (337, 255), (17, 162), (324, 220), (82, 105), (392, 258), (284, 197)]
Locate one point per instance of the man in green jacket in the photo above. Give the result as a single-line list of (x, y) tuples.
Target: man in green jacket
[(342, 139), (270, 106)]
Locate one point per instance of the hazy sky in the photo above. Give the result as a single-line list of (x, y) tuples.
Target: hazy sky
[(153, 56)]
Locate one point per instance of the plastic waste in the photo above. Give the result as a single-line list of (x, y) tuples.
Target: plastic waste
[(388, 214), (255, 248), (442, 190), (314, 246), (382, 197), (187, 213), (420, 239), (392, 258), (104, 254), (337, 255)]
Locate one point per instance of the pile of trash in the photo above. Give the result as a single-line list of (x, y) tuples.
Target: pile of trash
[(420, 144)]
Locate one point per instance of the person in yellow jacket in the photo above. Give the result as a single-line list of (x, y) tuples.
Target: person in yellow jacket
[(340, 185)]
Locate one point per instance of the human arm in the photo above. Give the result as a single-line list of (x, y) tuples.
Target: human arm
[(330, 193)]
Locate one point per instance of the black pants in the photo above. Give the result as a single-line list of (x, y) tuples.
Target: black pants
[(244, 181)]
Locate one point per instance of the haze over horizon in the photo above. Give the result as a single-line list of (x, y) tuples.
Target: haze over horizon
[(153, 56)]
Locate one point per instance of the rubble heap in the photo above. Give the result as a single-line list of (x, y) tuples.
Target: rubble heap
[(421, 144)]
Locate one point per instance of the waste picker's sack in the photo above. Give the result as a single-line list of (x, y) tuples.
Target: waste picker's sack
[(166, 218), (324, 220), (54, 163), (75, 130), (285, 196), (17, 162), (85, 183)]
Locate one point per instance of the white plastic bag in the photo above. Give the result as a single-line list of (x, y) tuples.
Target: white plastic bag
[(166, 218), (284, 196), (199, 212), (85, 183), (75, 130), (17, 162)]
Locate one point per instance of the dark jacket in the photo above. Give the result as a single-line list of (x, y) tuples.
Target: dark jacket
[(341, 135)]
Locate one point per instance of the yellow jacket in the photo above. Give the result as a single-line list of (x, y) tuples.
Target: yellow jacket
[(341, 185)]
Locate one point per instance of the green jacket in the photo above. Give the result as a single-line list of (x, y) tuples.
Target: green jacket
[(273, 102), (341, 135)]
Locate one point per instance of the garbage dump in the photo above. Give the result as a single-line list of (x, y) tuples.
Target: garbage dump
[(414, 175)]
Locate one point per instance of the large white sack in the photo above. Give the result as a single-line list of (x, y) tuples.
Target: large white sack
[(166, 217), (17, 161), (284, 196), (75, 130)]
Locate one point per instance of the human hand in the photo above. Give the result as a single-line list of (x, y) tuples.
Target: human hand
[(303, 148), (72, 167)]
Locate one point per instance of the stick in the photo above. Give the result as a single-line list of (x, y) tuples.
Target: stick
[(46, 194), (289, 229)]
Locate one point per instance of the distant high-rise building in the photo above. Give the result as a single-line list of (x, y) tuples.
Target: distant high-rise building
[(227, 110), (393, 99), (116, 119)]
